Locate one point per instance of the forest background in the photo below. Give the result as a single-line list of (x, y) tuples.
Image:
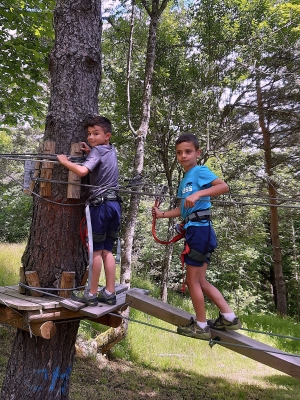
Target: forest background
[(227, 71)]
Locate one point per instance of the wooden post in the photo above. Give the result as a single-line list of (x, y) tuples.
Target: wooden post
[(74, 190), (22, 290), (46, 172), (32, 279), (35, 175), (67, 282), (36, 171), (29, 170)]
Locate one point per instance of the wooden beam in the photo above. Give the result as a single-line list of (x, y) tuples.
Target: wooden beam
[(230, 339), (67, 315), (44, 329)]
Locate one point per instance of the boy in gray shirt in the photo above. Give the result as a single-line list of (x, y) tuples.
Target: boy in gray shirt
[(105, 208)]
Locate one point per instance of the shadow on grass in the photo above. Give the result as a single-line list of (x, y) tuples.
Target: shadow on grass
[(123, 380)]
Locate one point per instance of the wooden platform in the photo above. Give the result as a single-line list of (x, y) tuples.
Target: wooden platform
[(38, 314)]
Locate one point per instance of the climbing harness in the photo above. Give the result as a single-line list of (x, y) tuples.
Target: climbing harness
[(86, 233)]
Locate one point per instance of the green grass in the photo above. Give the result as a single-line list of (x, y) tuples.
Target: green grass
[(155, 362), (10, 263)]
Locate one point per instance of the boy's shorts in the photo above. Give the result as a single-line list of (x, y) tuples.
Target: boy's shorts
[(202, 239), (105, 220)]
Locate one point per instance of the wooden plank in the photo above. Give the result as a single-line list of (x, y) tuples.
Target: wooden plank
[(157, 308), (19, 304), (46, 302), (102, 309), (76, 305), (282, 362), (240, 343), (71, 304)]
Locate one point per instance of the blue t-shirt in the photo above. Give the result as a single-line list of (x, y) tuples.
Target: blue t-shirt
[(197, 178)]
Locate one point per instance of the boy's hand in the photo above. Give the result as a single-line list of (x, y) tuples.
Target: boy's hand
[(190, 201), (85, 148), (157, 213), (62, 158)]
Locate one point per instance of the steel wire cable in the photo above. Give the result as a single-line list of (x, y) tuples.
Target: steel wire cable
[(211, 341)]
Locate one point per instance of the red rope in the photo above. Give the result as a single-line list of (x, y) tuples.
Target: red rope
[(173, 240)]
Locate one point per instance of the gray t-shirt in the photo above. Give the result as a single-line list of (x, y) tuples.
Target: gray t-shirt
[(102, 163)]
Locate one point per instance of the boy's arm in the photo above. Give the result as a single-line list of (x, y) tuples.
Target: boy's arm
[(218, 187), (175, 212), (79, 170)]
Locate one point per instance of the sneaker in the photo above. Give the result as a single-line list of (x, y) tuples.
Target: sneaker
[(222, 323), (109, 299), (83, 297), (193, 330)]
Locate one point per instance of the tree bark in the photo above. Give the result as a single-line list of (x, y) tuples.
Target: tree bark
[(39, 368), (281, 303)]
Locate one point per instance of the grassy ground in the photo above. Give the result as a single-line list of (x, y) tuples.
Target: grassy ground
[(153, 363)]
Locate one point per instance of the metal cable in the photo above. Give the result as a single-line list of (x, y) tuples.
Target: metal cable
[(211, 341)]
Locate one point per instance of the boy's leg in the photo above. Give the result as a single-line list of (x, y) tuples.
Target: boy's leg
[(107, 295), (227, 319), (194, 329), (212, 292), (193, 278), (97, 265), (110, 270)]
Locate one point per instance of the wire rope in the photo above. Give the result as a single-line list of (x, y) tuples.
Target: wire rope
[(211, 341)]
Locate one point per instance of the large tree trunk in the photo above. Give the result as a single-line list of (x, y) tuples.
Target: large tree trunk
[(280, 301), (39, 368)]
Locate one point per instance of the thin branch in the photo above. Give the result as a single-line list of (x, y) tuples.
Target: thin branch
[(129, 58)]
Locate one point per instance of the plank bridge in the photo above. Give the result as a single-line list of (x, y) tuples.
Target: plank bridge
[(38, 315)]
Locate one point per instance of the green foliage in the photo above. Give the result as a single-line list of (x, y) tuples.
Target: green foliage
[(26, 35), (15, 214)]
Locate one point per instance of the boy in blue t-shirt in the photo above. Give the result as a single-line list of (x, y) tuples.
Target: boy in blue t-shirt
[(195, 189)]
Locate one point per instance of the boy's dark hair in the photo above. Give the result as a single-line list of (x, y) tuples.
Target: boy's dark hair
[(103, 122), (188, 137)]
